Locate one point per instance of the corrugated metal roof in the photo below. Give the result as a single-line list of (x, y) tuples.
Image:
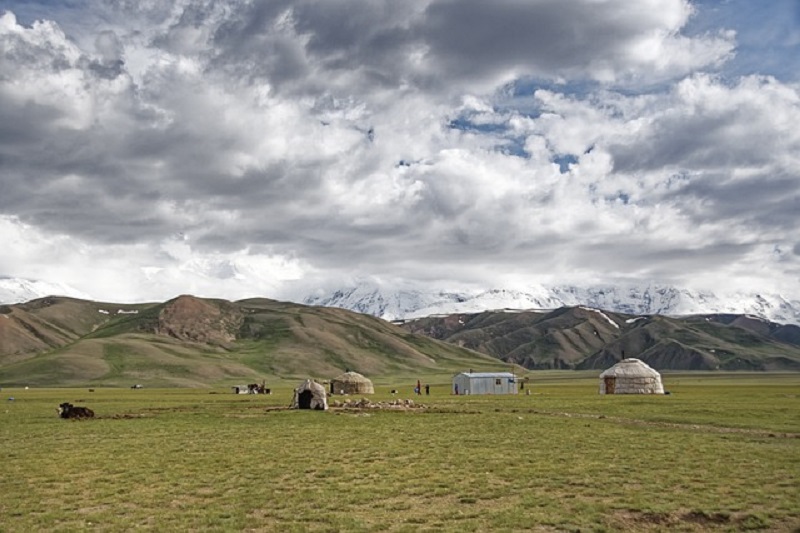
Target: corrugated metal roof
[(488, 374)]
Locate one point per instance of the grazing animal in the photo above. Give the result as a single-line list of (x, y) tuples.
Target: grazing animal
[(255, 388), (67, 410)]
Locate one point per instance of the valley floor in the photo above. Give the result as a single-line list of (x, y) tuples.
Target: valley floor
[(721, 452)]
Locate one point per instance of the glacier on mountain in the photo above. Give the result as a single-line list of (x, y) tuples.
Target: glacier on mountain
[(18, 290), (406, 303)]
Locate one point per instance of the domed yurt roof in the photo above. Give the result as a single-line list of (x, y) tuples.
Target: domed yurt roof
[(631, 376), (352, 383), (631, 367), (310, 395)]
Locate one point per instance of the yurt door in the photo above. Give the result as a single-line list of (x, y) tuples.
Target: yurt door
[(304, 399), (610, 382)]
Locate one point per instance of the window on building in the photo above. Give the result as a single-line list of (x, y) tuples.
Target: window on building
[(498, 381)]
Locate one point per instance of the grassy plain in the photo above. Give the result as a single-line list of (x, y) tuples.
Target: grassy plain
[(721, 452)]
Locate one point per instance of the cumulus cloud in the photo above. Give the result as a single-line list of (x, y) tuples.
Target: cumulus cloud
[(150, 271), (465, 142)]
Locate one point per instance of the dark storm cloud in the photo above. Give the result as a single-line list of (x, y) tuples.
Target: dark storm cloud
[(431, 45), (760, 201), (547, 38), (248, 45), (694, 141), (286, 42), (108, 69), (660, 258), (22, 125)]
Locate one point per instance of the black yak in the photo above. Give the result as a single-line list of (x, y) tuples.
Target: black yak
[(67, 410)]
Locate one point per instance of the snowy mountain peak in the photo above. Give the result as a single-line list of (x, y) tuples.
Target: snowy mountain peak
[(372, 299), (17, 290), (407, 303)]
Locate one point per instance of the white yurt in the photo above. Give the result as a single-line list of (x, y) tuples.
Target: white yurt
[(310, 395), (631, 376)]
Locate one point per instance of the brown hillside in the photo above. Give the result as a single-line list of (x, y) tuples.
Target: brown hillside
[(44, 324), (193, 319), (537, 340), (582, 338), (22, 333), (192, 341)]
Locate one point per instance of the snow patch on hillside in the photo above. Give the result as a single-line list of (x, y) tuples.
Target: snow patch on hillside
[(602, 314)]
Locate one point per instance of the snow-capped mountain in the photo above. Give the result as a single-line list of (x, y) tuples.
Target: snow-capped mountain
[(667, 300), (388, 304), (398, 304), (392, 302), (17, 290)]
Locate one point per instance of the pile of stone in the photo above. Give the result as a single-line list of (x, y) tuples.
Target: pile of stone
[(364, 403)]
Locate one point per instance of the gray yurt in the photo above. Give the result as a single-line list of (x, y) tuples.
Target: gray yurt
[(310, 395), (351, 383), (631, 376)]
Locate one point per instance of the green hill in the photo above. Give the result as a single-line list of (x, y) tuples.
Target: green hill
[(191, 342)]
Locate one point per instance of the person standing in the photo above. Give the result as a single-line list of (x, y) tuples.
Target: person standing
[(427, 389)]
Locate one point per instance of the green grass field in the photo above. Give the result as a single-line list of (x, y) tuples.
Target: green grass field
[(721, 452)]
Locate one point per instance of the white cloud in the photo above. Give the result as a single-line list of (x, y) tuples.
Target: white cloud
[(143, 272), (299, 140)]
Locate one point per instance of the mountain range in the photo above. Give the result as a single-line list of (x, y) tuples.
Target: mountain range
[(404, 301), (570, 327), (584, 338), (650, 299), (191, 341)]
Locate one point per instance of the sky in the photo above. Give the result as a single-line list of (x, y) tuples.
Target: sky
[(235, 148)]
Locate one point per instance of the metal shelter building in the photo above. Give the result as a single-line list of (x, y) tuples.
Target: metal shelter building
[(485, 383)]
